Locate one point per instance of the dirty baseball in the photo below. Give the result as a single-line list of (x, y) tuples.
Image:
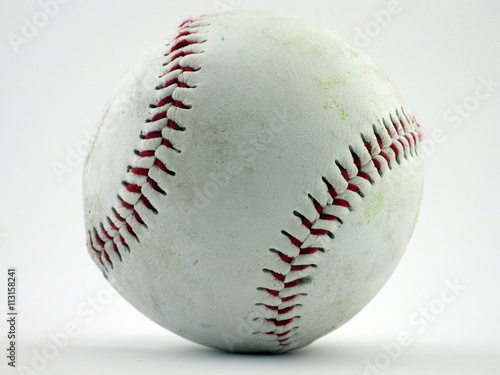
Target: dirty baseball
[(253, 182)]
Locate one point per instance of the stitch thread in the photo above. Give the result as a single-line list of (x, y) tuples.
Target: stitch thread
[(400, 141), (108, 236)]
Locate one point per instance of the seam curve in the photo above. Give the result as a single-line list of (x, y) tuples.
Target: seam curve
[(109, 239), (397, 139)]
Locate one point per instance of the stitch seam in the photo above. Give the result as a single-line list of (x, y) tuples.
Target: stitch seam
[(108, 238), (400, 140)]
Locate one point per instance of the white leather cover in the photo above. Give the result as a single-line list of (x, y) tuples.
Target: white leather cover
[(278, 182)]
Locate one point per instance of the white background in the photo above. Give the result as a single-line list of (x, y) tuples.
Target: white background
[(53, 89)]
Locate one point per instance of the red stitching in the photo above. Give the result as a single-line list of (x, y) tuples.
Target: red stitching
[(281, 323), (110, 222), (145, 201), (317, 205), (106, 234), (357, 161), (182, 43), (175, 57), (295, 241), (98, 239), (130, 230), (278, 276), (134, 194), (300, 268), (155, 134), (394, 148), (115, 248), (385, 156), (328, 217), (91, 245), (158, 163), (309, 250), (272, 292), (155, 186), (321, 232), (353, 188), (344, 173), (173, 125), (289, 298), (340, 202), (122, 241), (331, 191), (141, 171), (146, 154), (364, 175), (285, 258), (184, 23), (363, 172), (127, 205)]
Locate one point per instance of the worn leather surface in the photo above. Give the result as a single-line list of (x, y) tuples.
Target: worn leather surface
[(276, 105)]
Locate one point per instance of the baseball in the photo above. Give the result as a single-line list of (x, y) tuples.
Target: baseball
[(253, 182)]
